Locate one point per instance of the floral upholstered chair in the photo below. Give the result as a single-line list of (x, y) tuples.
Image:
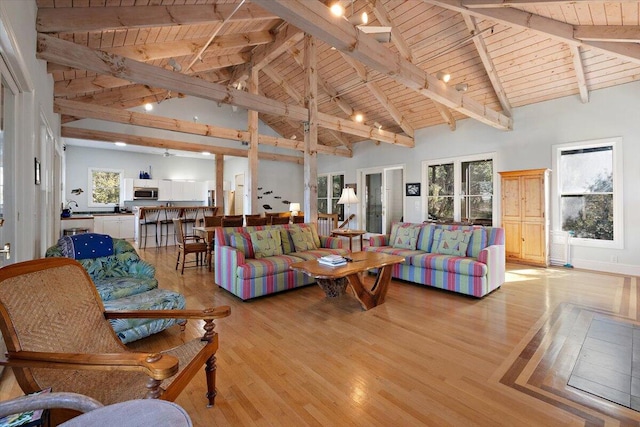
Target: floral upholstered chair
[(124, 282)]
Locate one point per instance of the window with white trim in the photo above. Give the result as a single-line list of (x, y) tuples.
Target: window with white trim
[(329, 191), (461, 189), (105, 187), (589, 179)]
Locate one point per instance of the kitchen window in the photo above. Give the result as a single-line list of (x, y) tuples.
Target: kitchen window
[(105, 187)]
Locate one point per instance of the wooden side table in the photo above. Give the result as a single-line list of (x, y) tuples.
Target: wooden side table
[(345, 232)]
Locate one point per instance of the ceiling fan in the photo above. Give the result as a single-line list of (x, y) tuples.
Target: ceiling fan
[(167, 153)]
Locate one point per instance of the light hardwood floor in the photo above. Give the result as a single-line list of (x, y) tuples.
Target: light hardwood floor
[(424, 357)]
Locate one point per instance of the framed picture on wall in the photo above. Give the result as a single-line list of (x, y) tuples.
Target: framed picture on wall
[(413, 189)]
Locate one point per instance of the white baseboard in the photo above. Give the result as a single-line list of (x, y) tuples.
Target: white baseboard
[(607, 267)]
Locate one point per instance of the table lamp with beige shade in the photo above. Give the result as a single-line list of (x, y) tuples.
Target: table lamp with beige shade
[(348, 197)]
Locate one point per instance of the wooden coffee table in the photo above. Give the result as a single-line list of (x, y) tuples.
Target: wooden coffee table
[(334, 280)]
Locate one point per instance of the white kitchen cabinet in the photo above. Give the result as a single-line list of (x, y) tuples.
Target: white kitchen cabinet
[(195, 191), (128, 189), (117, 226), (145, 183), (177, 191), (165, 190)]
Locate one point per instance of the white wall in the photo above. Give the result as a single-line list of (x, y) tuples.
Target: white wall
[(25, 202), (611, 112)]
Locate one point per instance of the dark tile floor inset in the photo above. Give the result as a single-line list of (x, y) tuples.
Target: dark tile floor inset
[(608, 365)]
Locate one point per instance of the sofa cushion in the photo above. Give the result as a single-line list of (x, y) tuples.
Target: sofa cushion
[(406, 253), (302, 239), (87, 245), (406, 236), (477, 243), (121, 287), (425, 240), (266, 243), (450, 263), (269, 266), (242, 242), (453, 242)]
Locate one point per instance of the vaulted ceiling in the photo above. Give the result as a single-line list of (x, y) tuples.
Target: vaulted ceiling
[(107, 56)]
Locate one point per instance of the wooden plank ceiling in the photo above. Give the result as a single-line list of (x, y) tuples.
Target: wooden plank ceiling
[(507, 53)]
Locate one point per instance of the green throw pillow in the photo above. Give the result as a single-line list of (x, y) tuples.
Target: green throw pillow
[(406, 236), (302, 239), (266, 243), (454, 242)]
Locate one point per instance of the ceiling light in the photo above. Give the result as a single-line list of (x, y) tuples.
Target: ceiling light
[(294, 136), (174, 64), (121, 144), (195, 119), (461, 87), (358, 117), (206, 153), (148, 106), (337, 9), (378, 125), (443, 76), (362, 19)]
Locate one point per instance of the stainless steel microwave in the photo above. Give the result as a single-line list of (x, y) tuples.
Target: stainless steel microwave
[(142, 193)]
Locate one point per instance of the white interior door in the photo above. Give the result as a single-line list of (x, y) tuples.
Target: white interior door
[(8, 92), (239, 195), (382, 200)]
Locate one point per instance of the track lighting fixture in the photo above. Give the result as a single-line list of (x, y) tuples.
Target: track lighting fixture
[(443, 76), (461, 87)]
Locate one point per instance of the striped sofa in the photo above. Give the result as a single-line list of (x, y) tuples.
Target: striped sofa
[(241, 272), (465, 259)]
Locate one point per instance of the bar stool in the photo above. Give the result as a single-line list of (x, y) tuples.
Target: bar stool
[(169, 215), (189, 217), (149, 217)]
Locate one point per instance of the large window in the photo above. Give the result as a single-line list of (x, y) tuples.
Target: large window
[(588, 190), (460, 190), (105, 187), (329, 191)]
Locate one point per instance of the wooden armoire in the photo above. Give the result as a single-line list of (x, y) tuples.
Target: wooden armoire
[(525, 219)]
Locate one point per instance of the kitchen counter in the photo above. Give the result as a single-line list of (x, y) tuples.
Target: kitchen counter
[(72, 217)]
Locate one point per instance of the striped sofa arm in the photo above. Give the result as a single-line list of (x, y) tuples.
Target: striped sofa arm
[(379, 240), (330, 242), (227, 260), (494, 257)]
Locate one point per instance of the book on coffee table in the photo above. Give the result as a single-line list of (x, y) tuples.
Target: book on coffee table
[(332, 260)]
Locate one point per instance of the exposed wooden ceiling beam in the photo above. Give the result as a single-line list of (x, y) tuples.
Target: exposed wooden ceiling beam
[(75, 19), (144, 141), (548, 27), (292, 92), (490, 68), (521, 3), (316, 19), (173, 49), (287, 37), (96, 135), (379, 94), (84, 110), (580, 76), (396, 35), (608, 33), (85, 85), (334, 97), (73, 55)]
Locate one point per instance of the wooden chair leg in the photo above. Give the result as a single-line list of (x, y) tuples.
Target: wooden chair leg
[(178, 260), (210, 370)]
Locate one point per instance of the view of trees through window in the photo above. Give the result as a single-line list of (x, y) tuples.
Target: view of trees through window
[(105, 186), (475, 198), (329, 195), (586, 187)]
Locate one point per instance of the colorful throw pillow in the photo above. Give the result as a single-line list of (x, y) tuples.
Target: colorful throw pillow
[(478, 242), (266, 243), (406, 236), (285, 238), (302, 239), (242, 242), (453, 242), (425, 240)]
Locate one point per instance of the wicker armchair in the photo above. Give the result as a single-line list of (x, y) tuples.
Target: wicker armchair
[(58, 336)]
